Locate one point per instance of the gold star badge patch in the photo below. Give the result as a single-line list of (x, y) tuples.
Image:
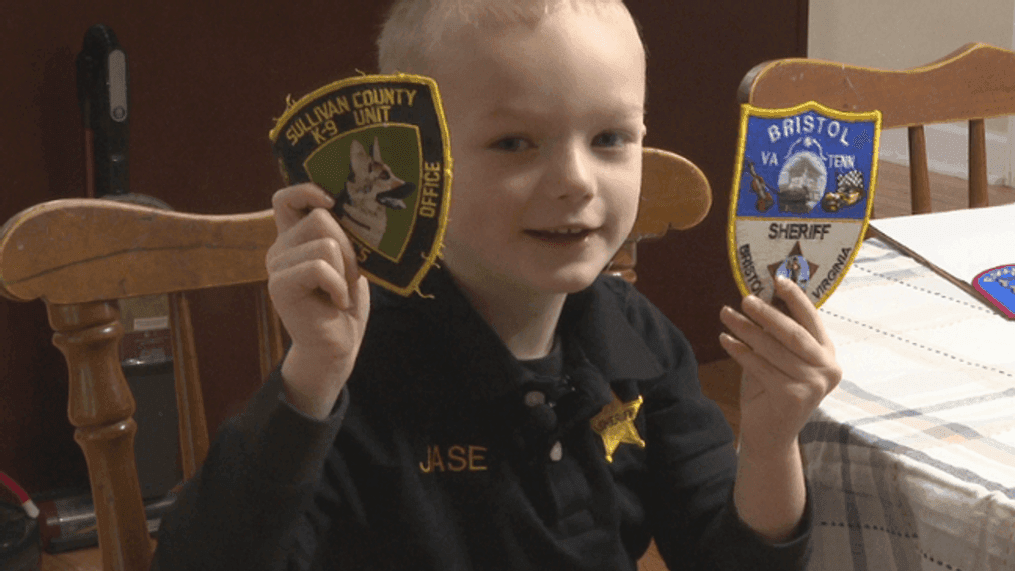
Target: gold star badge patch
[(615, 425)]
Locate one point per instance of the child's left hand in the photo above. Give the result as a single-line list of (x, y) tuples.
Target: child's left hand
[(789, 366)]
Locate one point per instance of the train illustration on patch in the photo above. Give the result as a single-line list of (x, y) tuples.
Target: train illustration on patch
[(802, 195)]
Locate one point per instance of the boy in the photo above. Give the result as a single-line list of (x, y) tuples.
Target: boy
[(532, 414)]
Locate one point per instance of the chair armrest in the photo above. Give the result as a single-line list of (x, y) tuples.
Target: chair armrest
[(675, 195), (88, 243)]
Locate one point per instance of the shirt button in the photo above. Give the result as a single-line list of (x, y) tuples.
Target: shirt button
[(534, 398), (556, 452)]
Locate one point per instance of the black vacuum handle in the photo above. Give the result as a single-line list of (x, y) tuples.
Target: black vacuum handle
[(105, 104)]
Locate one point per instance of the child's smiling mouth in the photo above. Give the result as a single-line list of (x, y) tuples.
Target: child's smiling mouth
[(562, 236)]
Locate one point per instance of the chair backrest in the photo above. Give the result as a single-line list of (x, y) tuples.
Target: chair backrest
[(973, 83), (81, 255)]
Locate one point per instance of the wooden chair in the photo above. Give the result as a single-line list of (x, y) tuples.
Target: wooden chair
[(973, 83), (81, 255)]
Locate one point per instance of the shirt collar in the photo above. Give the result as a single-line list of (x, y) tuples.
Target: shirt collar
[(603, 327), (483, 369)]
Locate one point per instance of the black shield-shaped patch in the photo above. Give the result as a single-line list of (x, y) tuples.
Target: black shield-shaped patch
[(379, 145), (802, 195)]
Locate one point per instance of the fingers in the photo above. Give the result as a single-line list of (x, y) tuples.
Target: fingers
[(313, 278), (312, 252), (769, 332), (325, 249), (772, 344), (318, 264), (788, 362), (359, 295), (291, 204), (802, 310), (757, 350), (748, 359), (317, 235)]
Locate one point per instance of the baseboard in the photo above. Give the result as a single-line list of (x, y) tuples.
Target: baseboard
[(948, 151)]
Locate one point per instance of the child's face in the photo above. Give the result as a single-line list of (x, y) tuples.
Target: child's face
[(546, 128)]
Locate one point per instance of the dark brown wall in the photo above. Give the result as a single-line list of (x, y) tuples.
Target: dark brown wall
[(206, 81), (698, 53)]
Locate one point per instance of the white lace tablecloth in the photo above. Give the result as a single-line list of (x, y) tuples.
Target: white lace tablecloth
[(912, 458)]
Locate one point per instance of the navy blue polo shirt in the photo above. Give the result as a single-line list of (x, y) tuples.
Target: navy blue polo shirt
[(445, 452)]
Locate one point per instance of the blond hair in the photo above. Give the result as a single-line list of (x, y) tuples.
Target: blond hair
[(415, 28)]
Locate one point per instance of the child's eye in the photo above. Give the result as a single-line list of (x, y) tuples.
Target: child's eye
[(512, 144), (610, 139)]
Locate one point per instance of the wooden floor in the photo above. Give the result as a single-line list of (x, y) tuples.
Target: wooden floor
[(720, 380), (891, 196)]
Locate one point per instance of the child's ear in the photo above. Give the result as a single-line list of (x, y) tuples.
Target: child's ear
[(377, 151)]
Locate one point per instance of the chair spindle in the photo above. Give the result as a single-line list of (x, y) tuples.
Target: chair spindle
[(977, 164), (101, 408), (192, 426), (919, 176)]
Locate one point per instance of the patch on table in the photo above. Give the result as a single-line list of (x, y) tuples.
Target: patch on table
[(997, 285), (802, 195), (379, 144)]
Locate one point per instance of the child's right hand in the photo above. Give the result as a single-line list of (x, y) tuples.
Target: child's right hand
[(322, 299)]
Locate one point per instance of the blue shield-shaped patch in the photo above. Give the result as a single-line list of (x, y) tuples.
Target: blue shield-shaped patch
[(802, 195), (997, 285)]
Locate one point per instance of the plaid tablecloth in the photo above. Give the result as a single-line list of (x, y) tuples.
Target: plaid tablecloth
[(912, 457)]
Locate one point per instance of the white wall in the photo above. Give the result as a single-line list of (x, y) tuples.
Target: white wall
[(900, 34)]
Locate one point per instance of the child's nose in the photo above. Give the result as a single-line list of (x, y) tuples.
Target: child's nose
[(573, 173)]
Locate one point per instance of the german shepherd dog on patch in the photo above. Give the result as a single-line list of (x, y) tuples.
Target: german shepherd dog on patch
[(370, 189)]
